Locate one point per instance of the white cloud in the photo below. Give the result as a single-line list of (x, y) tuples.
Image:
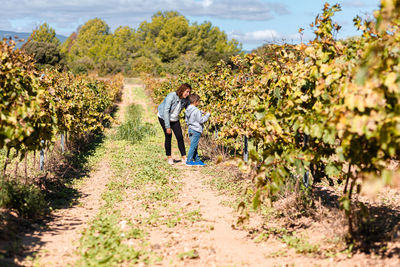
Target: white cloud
[(62, 14), (207, 3), (355, 4), (256, 36), (263, 36)]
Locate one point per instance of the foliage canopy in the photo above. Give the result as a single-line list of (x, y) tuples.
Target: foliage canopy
[(156, 46)]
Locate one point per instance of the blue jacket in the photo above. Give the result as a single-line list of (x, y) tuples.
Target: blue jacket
[(168, 105), (194, 119)]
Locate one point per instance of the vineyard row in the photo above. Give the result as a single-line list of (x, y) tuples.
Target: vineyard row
[(37, 106), (343, 96)]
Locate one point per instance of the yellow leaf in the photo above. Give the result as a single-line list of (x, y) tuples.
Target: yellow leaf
[(390, 81)]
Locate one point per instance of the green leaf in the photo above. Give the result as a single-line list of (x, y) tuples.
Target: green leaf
[(256, 200), (328, 137), (345, 203), (277, 92), (316, 130), (361, 75), (387, 177), (332, 170)]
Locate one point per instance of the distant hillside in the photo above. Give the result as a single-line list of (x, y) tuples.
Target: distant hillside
[(24, 36)]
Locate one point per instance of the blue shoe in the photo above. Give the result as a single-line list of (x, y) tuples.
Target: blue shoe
[(199, 163), (190, 163)]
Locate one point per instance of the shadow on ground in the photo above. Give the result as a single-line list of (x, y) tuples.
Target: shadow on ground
[(59, 193), (375, 225)]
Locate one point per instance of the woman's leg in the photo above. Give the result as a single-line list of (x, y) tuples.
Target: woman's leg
[(168, 138), (177, 129)]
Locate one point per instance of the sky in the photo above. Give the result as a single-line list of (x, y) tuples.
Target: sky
[(251, 22)]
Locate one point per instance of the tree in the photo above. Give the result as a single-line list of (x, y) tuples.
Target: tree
[(44, 53), (44, 46), (169, 35), (67, 45), (148, 32), (212, 44), (186, 63), (89, 40), (45, 34), (173, 38)]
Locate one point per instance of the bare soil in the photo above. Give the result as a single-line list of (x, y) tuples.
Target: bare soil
[(55, 244), (216, 240)]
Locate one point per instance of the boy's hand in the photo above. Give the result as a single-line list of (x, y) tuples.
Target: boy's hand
[(168, 130)]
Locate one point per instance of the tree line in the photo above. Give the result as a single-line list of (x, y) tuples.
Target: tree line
[(166, 44)]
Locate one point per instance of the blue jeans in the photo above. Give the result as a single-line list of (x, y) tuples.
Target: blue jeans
[(194, 142)]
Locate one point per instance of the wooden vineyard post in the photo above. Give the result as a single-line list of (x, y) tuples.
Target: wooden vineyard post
[(306, 176), (5, 164), (62, 143), (41, 157)]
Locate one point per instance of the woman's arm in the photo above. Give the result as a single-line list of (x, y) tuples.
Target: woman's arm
[(165, 113)]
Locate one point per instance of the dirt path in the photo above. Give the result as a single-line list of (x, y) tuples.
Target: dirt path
[(57, 242), (195, 229), (213, 238), (129, 97)]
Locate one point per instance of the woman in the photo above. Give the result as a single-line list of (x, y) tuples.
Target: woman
[(168, 115)]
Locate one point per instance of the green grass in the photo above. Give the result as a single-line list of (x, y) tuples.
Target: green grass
[(137, 165), (180, 216), (132, 80), (150, 109), (134, 129), (300, 245), (221, 180), (104, 243), (191, 254)]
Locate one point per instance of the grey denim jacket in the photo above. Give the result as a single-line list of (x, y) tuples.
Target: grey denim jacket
[(168, 105)]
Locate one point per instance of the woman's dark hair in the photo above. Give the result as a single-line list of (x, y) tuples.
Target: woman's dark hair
[(182, 89)]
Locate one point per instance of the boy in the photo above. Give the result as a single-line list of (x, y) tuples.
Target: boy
[(195, 121)]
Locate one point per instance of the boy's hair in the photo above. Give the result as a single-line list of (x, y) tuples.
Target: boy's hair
[(182, 89), (194, 98)]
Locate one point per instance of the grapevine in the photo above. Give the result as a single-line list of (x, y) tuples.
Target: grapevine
[(341, 95)]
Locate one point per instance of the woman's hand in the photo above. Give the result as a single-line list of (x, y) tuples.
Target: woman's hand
[(168, 130)]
